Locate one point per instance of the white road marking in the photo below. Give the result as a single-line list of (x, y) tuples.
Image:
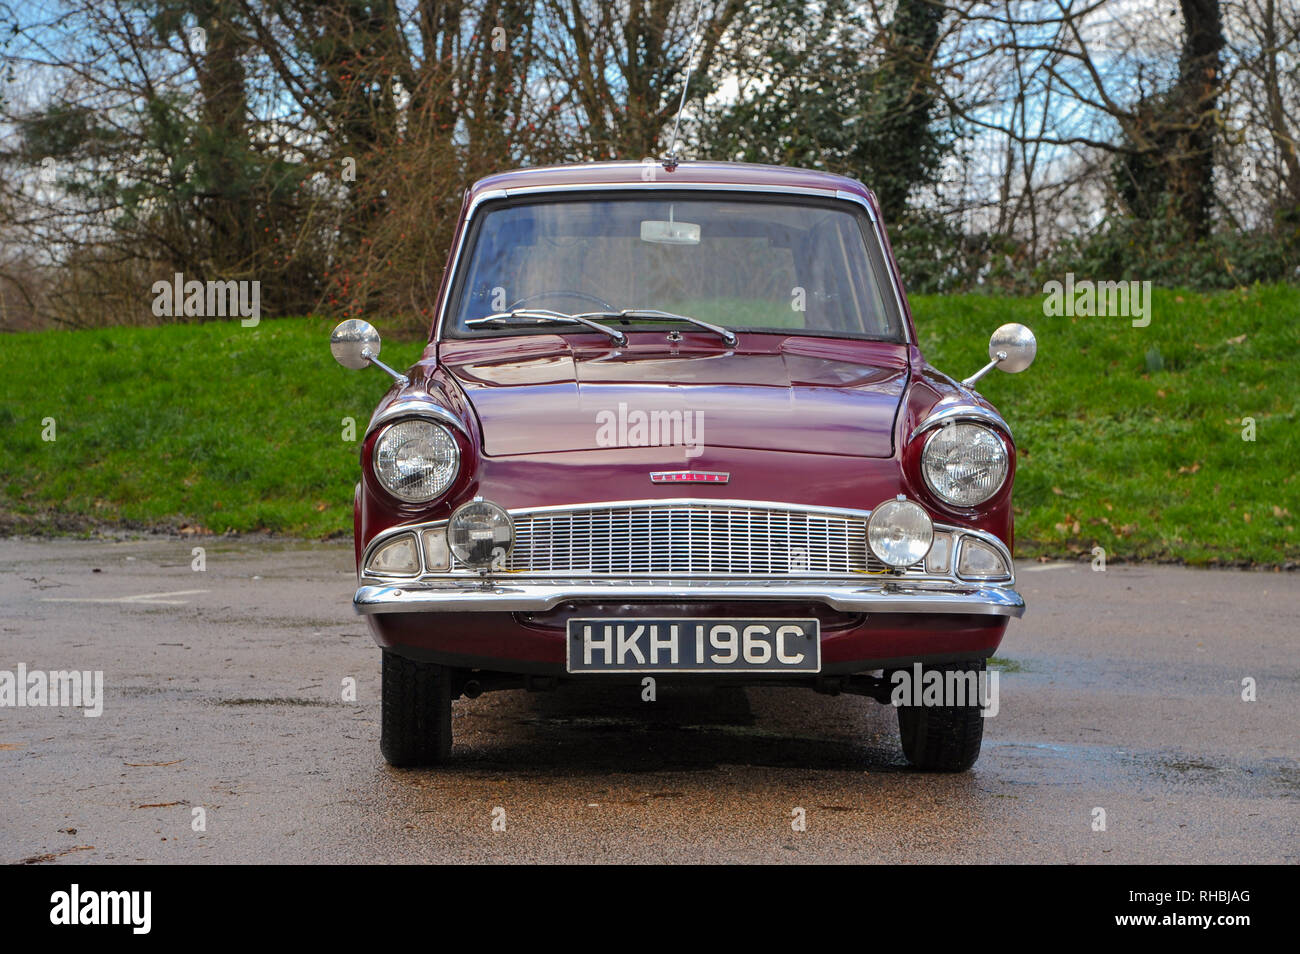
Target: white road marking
[(155, 599), (1045, 566)]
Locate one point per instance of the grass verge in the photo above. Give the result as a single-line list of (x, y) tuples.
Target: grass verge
[(1131, 439)]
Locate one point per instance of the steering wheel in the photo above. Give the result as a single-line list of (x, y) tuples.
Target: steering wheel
[(581, 296)]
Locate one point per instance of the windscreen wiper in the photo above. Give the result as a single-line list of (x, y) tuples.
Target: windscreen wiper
[(654, 314), (535, 316)]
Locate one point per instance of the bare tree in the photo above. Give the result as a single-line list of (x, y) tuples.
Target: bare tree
[(621, 67)]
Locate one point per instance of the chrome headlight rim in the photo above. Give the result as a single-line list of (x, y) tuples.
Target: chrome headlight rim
[(883, 512), (415, 500), (962, 506)]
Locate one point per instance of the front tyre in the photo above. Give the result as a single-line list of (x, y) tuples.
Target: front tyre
[(415, 722), (943, 738)]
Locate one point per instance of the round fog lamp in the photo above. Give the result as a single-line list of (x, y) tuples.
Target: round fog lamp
[(480, 534), (900, 533)]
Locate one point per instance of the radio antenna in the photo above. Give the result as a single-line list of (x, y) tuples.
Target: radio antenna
[(670, 160)]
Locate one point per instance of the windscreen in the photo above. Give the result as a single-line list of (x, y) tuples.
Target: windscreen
[(748, 264)]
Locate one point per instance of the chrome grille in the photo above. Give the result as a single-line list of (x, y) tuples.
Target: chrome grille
[(692, 539)]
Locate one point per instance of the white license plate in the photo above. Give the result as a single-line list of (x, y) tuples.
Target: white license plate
[(694, 645)]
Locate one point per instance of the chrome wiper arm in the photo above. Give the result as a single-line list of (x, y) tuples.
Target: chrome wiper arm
[(654, 314), (543, 315)]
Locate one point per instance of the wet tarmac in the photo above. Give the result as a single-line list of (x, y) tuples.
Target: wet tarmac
[(223, 693)]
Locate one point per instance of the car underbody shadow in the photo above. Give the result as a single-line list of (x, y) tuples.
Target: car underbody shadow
[(614, 729)]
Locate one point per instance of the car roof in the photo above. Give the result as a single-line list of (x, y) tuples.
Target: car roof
[(687, 173)]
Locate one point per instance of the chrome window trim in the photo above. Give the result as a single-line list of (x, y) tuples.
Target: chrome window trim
[(492, 194), (462, 574)]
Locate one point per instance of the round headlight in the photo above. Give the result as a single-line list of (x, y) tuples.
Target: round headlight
[(480, 533), (900, 533), (416, 460), (965, 464)]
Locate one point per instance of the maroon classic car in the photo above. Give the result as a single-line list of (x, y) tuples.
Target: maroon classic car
[(672, 424)]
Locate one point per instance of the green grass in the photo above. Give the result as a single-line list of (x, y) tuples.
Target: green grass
[(1130, 438), (214, 426)]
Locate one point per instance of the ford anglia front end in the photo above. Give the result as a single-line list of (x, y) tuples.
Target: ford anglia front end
[(674, 424)]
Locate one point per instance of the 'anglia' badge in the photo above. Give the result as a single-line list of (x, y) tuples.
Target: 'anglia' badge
[(688, 477)]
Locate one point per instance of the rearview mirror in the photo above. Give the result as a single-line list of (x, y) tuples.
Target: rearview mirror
[(670, 233), (355, 344), (1012, 348)]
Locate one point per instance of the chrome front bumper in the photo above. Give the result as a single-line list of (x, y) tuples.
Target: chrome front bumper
[(497, 596)]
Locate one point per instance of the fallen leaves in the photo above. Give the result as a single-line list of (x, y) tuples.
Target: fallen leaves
[(42, 859)]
